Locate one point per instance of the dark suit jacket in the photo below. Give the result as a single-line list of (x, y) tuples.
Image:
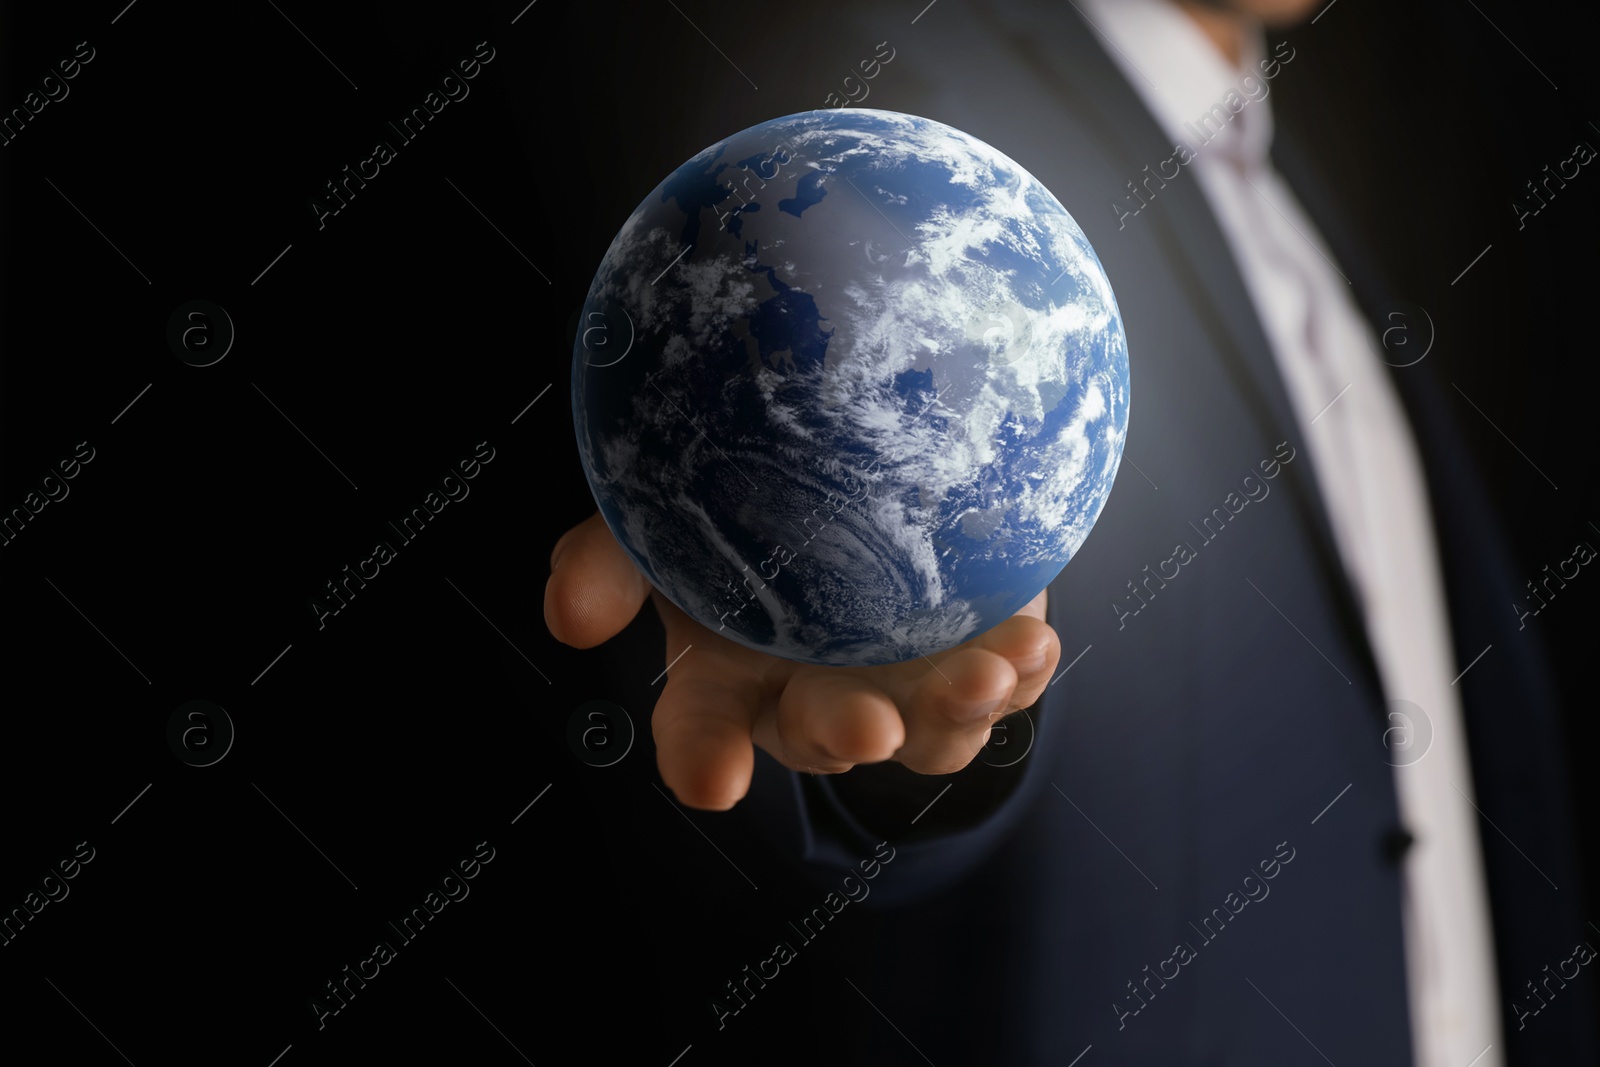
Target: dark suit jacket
[(1198, 743)]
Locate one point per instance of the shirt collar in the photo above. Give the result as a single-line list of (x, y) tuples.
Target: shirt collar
[(1183, 79)]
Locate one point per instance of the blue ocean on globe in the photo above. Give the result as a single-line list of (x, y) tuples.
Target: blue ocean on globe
[(850, 387)]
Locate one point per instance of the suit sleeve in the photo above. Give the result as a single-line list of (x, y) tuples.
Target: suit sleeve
[(941, 828)]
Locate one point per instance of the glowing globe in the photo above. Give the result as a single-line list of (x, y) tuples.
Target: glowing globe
[(850, 387)]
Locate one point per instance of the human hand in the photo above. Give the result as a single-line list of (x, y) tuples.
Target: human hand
[(932, 714)]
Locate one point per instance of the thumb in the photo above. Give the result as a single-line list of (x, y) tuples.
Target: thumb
[(594, 589)]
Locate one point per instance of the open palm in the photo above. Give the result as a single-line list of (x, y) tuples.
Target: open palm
[(932, 714)]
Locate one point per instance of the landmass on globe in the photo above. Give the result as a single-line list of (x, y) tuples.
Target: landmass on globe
[(850, 387)]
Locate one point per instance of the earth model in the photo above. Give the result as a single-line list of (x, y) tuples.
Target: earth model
[(850, 387)]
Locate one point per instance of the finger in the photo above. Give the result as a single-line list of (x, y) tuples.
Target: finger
[(953, 708), (829, 722), (594, 589), (1033, 650), (1036, 607), (702, 726)]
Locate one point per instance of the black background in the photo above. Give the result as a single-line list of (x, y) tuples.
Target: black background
[(425, 716)]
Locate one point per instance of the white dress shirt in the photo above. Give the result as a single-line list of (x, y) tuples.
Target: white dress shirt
[(1372, 486)]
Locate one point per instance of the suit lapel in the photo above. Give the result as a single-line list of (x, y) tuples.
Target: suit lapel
[(1065, 53)]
